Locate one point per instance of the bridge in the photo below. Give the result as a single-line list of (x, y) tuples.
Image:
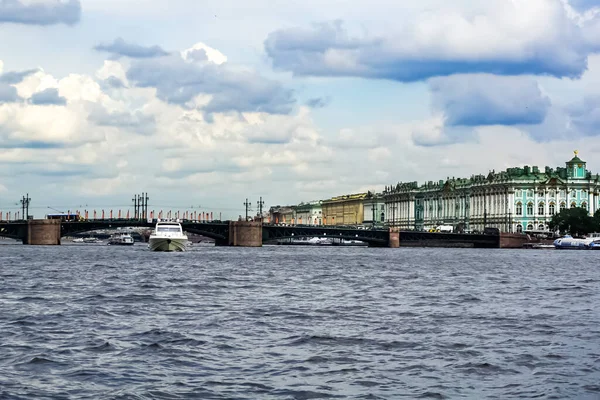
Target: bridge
[(246, 234)]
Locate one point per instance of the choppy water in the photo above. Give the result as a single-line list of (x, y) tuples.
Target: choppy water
[(99, 322)]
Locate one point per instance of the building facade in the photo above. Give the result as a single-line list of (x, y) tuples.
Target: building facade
[(374, 210), (515, 200), (309, 213), (344, 210), (281, 215)]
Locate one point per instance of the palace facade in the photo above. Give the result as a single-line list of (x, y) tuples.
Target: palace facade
[(515, 200)]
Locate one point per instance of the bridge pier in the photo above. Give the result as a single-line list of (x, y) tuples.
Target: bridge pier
[(44, 232), (243, 234), (394, 239)]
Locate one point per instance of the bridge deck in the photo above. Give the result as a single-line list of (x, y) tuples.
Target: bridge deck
[(220, 230)]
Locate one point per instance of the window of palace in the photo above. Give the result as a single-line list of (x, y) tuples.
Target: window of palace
[(519, 209), (541, 193), (552, 209), (519, 228), (573, 193), (584, 205), (382, 217), (563, 193), (529, 227), (518, 193), (541, 227), (562, 206), (530, 193), (552, 193), (530, 208), (573, 205), (541, 209)]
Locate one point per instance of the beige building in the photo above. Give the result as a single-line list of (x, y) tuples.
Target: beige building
[(344, 210)]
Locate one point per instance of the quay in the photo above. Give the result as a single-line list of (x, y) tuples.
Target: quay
[(251, 233)]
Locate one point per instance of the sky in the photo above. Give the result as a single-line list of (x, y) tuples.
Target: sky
[(204, 104)]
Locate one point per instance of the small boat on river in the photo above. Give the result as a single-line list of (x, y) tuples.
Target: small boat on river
[(121, 240)]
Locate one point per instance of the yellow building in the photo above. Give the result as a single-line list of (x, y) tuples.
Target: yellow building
[(344, 210)]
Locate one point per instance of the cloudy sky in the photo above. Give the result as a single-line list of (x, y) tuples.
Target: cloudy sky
[(205, 103)]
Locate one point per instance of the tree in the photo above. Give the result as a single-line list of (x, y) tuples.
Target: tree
[(575, 221)]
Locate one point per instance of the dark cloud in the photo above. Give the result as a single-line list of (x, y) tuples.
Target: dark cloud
[(112, 82), (136, 121), (474, 100), (178, 82), (38, 145), (121, 48), (329, 50), (12, 78), (48, 97), (198, 55), (49, 13), (318, 102), (8, 94), (585, 115)]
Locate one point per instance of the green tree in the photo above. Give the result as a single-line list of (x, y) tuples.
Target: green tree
[(575, 221)]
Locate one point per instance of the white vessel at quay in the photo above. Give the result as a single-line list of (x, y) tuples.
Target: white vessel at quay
[(167, 236)]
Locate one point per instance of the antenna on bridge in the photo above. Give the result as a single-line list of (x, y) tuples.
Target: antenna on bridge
[(25, 206), (247, 204)]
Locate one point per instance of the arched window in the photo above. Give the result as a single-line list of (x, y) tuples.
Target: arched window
[(519, 228), (562, 205), (541, 227), (530, 208), (382, 217), (552, 209), (541, 210), (584, 205), (573, 205), (519, 210), (529, 227)]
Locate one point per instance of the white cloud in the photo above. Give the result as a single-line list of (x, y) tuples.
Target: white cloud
[(506, 37), (201, 52)]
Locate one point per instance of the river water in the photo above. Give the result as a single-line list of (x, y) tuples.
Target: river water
[(98, 322)]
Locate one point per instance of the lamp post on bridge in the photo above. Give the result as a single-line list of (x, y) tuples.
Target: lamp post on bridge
[(260, 203), (135, 209), (25, 206), (247, 204)]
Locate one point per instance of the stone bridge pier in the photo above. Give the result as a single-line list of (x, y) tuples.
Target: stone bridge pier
[(394, 240), (243, 234), (44, 232)]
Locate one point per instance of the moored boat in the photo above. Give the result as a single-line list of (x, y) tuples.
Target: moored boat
[(567, 242), (167, 236)]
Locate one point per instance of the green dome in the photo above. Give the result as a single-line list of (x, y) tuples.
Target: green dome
[(576, 159)]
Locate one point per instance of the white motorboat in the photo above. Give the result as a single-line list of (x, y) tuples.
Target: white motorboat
[(167, 236)]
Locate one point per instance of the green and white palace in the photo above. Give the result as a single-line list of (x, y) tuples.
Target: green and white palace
[(515, 200)]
